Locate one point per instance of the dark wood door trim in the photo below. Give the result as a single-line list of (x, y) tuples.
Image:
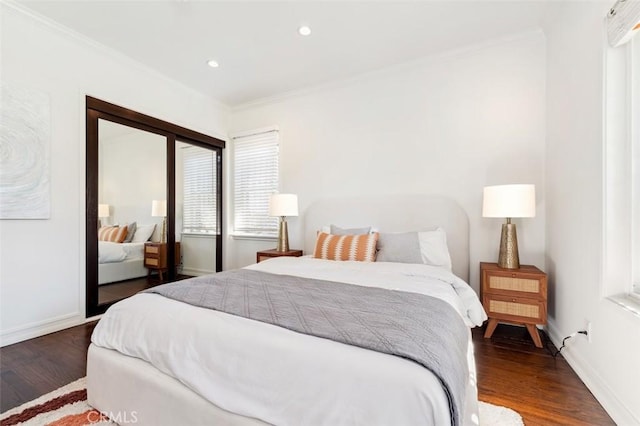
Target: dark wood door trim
[(154, 123), (96, 109)]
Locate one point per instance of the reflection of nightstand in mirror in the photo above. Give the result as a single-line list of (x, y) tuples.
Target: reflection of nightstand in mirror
[(155, 257), (267, 254)]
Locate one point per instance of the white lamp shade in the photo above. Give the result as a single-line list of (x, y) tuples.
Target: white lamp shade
[(509, 201), (103, 210), (159, 208), (283, 205)]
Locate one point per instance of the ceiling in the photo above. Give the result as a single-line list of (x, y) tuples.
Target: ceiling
[(259, 49)]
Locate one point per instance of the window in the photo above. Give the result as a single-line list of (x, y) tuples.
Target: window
[(622, 156), (255, 172), (200, 191)]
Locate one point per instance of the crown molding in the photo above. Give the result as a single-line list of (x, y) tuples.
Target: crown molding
[(370, 75), (106, 50)]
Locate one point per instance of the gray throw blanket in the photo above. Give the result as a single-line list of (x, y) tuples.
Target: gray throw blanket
[(413, 326)]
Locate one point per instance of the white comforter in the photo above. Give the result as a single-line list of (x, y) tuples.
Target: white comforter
[(287, 378), (109, 252)]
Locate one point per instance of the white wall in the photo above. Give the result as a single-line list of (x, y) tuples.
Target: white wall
[(449, 124), (42, 273), (574, 243)]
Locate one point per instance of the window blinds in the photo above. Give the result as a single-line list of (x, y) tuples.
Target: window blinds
[(256, 169), (199, 214)]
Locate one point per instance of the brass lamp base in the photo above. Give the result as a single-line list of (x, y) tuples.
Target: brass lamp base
[(508, 257), (163, 235), (283, 236)]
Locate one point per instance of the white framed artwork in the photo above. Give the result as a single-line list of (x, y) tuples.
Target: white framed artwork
[(25, 122)]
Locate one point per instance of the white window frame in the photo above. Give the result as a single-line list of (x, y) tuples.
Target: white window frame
[(208, 226), (635, 164), (256, 223), (621, 225)]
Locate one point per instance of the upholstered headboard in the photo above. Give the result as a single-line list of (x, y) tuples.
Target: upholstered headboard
[(395, 213)]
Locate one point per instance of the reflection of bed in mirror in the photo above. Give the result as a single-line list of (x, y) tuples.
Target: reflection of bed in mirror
[(120, 261)]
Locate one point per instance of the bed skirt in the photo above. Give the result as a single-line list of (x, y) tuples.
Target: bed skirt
[(120, 385), (131, 389), (120, 271)]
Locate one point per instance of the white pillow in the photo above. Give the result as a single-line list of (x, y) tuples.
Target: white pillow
[(434, 249), (143, 233)]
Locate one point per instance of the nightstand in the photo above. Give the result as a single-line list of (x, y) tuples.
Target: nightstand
[(155, 257), (514, 296), (267, 254)]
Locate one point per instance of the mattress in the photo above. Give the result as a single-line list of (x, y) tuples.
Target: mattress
[(282, 377), (109, 252), (120, 271), (120, 261)]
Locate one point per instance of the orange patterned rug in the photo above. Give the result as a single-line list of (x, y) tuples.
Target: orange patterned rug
[(66, 406)]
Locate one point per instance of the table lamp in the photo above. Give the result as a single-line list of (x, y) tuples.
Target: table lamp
[(283, 205), (103, 212), (509, 201)]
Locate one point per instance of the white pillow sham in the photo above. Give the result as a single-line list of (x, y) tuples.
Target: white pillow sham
[(434, 249), (143, 233)]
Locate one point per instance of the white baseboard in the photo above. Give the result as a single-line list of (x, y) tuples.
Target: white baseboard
[(594, 382), (40, 328), (196, 272)]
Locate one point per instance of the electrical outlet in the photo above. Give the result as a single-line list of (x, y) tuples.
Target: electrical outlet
[(589, 331)]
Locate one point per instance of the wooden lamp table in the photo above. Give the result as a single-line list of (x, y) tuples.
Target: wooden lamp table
[(514, 296), (155, 257)]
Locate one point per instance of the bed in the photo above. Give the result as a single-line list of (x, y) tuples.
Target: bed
[(120, 261), (219, 368)]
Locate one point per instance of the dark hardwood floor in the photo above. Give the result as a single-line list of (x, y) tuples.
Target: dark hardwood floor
[(123, 289), (511, 372), (545, 391), (34, 367)]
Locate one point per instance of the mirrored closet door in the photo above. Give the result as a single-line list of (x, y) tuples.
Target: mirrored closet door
[(154, 204), (132, 193)]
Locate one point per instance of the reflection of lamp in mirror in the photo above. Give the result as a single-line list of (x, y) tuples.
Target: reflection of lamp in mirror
[(103, 212), (159, 209), (283, 205), (509, 201)]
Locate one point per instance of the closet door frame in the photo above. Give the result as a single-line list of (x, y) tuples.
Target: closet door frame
[(97, 109)]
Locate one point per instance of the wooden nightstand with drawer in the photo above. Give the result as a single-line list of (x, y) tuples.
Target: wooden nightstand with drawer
[(155, 257), (514, 296)]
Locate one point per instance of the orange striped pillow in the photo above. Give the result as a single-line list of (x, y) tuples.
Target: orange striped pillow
[(114, 234), (346, 247)]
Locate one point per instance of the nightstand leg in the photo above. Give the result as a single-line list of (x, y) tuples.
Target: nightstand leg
[(160, 274), (533, 331), (491, 327)]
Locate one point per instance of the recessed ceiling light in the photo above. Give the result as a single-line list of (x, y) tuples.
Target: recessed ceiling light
[(212, 63), (304, 30)]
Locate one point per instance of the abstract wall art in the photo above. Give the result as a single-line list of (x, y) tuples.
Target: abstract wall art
[(24, 153)]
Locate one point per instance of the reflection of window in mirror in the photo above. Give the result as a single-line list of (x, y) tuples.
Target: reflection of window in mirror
[(196, 208), (131, 174)]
